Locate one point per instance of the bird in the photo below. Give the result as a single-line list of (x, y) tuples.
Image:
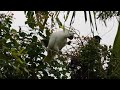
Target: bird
[(97, 38), (57, 41)]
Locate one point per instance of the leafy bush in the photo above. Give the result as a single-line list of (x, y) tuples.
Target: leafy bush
[(21, 53)]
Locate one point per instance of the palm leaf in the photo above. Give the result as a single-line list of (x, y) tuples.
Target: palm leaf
[(116, 45), (114, 65), (85, 14), (67, 15), (73, 16), (90, 18), (91, 23), (59, 22), (95, 20)]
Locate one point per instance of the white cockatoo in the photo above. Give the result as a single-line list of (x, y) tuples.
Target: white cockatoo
[(56, 42)]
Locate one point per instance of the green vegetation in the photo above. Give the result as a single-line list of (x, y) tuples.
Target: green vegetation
[(22, 54)]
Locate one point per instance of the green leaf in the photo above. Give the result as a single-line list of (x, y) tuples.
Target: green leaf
[(13, 31), (26, 22), (85, 14), (59, 22), (45, 21), (30, 14), (91, 23), (26, 70), (19, 60), (95, 19), (25, 12), (34, 38), (20, 52), (40, 25), (22, 34), (114, 65), (47, 32), (73, 16), (90, 18), (116, 45), (41, 34), (57, 13), (67, 15), (63, 27), (30, 19)]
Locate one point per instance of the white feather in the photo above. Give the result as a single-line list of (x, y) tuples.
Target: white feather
[(56, 42)]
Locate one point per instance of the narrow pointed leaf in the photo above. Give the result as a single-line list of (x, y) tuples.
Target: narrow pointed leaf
[(56, 14), (95, 20), (85, 14), (115, 62), (67, 15), (73, 16), (90, 18), (59, 22), (116, 45)]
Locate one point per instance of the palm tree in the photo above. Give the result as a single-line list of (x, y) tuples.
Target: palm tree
[(114, 64)]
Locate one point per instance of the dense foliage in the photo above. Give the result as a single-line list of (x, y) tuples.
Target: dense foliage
[(22, 54)]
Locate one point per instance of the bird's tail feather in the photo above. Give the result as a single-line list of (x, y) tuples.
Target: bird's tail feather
[(50, 56)]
